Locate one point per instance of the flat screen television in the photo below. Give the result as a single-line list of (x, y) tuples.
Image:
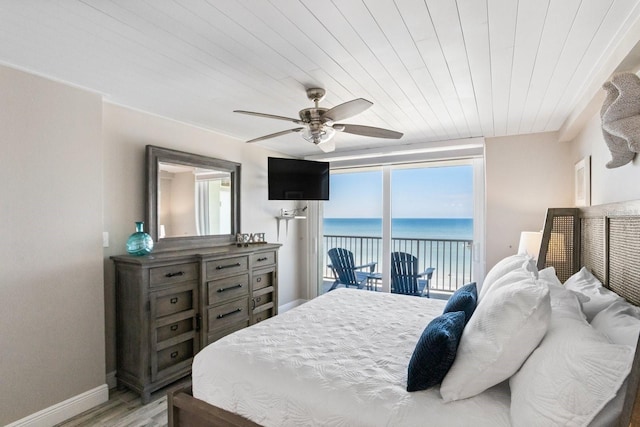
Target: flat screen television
[(295, 179)]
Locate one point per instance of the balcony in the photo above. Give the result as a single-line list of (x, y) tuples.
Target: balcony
[(451, 258)]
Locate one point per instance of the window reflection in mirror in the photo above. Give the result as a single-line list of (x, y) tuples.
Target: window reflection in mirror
[(193, 201), (185, 181)]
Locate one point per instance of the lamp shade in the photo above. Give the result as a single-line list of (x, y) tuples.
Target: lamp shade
[(530, 243), (558, 247)]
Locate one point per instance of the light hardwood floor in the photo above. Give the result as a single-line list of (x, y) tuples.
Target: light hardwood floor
[(125, 409)]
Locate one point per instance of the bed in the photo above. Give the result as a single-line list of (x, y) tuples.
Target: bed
[(341, 359)]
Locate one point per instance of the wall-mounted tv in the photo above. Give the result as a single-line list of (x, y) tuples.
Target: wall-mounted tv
[(295, 179)]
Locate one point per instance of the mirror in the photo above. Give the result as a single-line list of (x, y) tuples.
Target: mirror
[(192, 200)]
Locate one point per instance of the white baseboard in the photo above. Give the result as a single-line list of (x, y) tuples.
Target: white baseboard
[(288, 306), (64, 410)]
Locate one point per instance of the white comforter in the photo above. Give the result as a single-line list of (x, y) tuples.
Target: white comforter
[(339, 360)]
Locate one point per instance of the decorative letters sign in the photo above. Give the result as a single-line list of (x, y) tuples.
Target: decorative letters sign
[(248, 238)]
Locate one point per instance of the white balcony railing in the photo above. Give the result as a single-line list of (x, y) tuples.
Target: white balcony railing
[(451, 258)]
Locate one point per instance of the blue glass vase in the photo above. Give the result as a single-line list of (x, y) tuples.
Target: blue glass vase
[(139, 243)]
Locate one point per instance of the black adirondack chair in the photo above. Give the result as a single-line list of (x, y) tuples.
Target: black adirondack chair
[(346, 272), (405, 278)]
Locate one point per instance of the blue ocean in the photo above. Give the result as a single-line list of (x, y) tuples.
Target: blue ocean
[(416, 228)]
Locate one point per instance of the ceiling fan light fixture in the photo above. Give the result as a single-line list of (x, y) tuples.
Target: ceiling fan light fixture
[(318, 136), (320, 123)]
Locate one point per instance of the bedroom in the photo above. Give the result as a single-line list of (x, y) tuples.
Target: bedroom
[(73, 167)]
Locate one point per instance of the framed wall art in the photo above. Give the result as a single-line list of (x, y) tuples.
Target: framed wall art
[(582, 182)]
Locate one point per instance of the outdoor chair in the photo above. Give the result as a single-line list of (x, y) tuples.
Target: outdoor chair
[(405, 278), (346, 272)]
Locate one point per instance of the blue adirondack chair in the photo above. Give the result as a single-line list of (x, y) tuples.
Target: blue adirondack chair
[(346, 272), (405, 278)]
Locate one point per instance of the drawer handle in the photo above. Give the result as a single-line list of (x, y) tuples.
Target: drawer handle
[(229, 288), (259, 279), (178, 273), (262, 259), (174, 354), (174, 300), (237, 310), (258, 299), (174, 327), (222, 267)]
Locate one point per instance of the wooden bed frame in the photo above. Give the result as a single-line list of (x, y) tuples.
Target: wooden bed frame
[(604, 238), (187, 411)]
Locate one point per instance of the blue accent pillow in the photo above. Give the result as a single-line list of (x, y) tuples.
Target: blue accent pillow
[(435, 351), (464, 299)]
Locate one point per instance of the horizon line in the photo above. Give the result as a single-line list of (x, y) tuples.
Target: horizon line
[(403, 217)]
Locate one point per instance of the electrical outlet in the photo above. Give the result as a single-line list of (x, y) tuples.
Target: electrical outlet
[(105, 239)]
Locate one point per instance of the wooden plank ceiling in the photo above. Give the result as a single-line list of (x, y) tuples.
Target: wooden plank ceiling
[(434, 69)]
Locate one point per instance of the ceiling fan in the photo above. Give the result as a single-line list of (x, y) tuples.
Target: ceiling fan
[(319, 124)]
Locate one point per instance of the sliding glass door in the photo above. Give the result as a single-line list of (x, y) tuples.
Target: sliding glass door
[(432, 219), (426, 210), (353, 219)]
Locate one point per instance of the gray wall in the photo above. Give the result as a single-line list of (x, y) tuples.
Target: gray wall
[(126, 133), (72, 167), (607, 185), (525, 175), (51, 292)]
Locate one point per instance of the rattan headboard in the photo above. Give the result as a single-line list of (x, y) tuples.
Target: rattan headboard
[(604, 238)]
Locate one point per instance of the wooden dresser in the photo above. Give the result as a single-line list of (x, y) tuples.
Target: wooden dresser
[(170, 305)]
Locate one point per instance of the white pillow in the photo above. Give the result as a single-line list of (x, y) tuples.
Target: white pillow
[(504, 266), (619, 322), (526, 270), (587, 284), (583, 281), (609, 415), (570, 377), (565, 302), (561, 297), (504, 329), (549, 274)]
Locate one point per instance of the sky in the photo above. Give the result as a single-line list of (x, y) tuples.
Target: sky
[(432, 192)]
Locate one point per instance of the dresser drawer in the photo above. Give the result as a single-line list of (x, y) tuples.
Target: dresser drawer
[(224, 315), (262, 279), (264, 312), (263, 258), (227, 266), (161, 276), (262, 298), (226, 289), (174, 355), (174, 329), (174, 303), (219, 333)]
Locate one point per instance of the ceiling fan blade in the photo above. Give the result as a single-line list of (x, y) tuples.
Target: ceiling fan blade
[(347, 109), (273, 135), (369, 131), (269, 116), (327, 146)]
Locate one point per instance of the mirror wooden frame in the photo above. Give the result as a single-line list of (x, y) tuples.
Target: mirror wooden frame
[(155, 155)]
